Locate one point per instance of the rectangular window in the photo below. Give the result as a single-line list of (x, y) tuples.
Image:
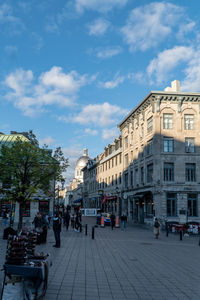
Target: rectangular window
[(192, 205), (126, 142), (150, 173), (126, 160), (150, 124), (109, 164), (136, 177), (171, 204), (116, 179), (131, 179), (126, 180), (190, 172), (112, 162), (189, 145), (120, 158), (131, 156), (168, 144), (150, 147), (168, 121), (112, 179), (120, 178), (188, 122), (116, 161), (142, 175), (168, 171)]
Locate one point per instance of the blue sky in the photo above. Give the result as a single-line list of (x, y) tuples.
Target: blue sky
[(72, 70)]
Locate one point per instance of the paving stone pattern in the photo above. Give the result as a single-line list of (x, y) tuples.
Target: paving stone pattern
[(121, 265)]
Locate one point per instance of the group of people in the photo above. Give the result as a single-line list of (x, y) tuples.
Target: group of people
[(42, 223)]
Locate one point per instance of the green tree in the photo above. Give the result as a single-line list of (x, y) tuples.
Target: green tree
[(28, 170)]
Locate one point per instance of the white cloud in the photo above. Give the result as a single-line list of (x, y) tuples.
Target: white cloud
[(109, 52), (98, 5), (185, 28), (113, 83), (150, 24), (52, 87), (90, 131), (100, 115), (47, 141), (110, 134), (11, 24), (98, 27), (167, 60), (192, 74)]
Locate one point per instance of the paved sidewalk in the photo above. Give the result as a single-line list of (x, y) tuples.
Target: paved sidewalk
[(122, 265)]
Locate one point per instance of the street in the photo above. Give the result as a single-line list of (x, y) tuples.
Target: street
[(124, 265)]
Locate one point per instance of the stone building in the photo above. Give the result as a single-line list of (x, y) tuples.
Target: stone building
[(161, 157), (103, 179)]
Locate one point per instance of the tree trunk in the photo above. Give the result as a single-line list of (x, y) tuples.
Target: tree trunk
[(20, 216)]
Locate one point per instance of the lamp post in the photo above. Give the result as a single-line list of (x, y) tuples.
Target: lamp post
[(118, 200)]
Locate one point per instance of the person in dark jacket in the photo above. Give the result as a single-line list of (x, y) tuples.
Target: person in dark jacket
[(57, 229), (67, 219), (112, 219)]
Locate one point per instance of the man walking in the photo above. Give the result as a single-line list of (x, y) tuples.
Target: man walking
[(57, 229), (112, 219), (124, 221)]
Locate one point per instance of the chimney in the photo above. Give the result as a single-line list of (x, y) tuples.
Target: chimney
[(175, 87)]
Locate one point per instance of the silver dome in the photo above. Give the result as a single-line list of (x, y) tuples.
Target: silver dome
[(82, 161)]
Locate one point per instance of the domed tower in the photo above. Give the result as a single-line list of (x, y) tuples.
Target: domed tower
[(80, 164)]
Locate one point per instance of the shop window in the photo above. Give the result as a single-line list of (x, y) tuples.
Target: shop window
[(192, 205), (126, 180), (171, 204), (44, 207)]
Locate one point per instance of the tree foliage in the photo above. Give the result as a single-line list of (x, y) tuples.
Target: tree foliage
[(28, 169)]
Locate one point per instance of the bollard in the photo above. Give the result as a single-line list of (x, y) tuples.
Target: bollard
[(80, 227), (199, 241), (167, 231), (93, 232), (85, 229), (181, 235)]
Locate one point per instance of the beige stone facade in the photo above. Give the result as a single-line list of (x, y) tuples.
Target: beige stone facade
[(153, 168), (161, 157)]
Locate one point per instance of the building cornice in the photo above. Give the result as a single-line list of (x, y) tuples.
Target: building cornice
[(155, 97)]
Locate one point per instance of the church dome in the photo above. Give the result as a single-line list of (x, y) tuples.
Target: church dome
[(83, 160)]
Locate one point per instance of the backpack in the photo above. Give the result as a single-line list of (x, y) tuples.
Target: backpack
[(156, 224)]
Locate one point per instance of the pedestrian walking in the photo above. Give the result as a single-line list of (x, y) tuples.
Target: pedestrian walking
[(5, 218), (72, 220), (124, 221), (77, 222), (57, 229), (67, 219), (156, 226), (112, 219)]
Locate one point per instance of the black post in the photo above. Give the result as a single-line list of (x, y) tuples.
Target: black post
[(85, 229), (80, 227), (167, 231), (181, 235), (199, 241), (93, 232)]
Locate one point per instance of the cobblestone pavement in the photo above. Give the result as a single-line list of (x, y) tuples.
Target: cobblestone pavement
[(124, 265)]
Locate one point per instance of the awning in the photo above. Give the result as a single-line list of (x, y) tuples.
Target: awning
[(78, 200)]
